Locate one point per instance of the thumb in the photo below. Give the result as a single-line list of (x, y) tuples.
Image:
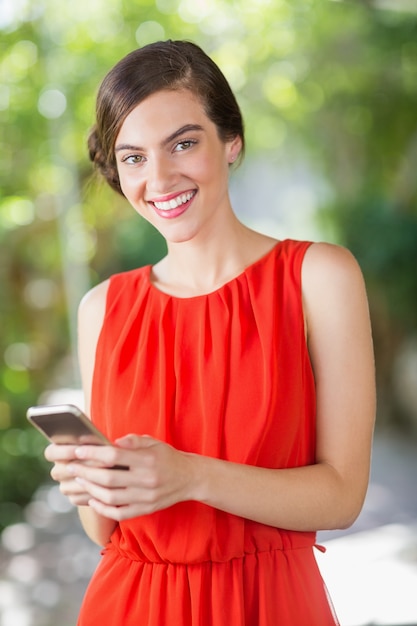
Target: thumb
[(134, 442)]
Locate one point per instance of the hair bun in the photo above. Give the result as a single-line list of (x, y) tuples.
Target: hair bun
[(95, 149), (98, 157)]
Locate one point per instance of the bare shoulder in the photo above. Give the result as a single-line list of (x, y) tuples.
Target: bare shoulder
[(329, 270), (93, 305), (325, 260), (334, 293), (91, 313)]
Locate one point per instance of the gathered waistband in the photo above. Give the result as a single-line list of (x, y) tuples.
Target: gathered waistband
[(290, 541)]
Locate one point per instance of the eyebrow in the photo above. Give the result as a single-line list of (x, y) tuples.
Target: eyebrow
[(184, 129)]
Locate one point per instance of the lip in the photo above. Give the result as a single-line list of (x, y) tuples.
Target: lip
[(171, 196), (172, 213)]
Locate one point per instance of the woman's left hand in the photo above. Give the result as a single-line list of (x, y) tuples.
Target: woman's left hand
[(157, 476)]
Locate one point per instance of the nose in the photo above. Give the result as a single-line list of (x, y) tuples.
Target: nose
[(161, 174)]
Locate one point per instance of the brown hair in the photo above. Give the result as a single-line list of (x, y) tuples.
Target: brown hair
[(161, 65)]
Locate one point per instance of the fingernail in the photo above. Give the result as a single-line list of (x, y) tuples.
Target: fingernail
[(80, 452), (71, 469)]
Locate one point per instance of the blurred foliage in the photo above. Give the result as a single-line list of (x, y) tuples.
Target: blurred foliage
[(331, 83)]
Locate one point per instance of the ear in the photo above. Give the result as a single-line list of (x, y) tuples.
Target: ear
[(234, 148)]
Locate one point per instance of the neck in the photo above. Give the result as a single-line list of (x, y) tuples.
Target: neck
[(198, 267)]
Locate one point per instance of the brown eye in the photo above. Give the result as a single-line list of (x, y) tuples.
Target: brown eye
[(184, 145), (133, 159)]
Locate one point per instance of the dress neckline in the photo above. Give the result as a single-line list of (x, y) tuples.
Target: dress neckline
[(227, 283)]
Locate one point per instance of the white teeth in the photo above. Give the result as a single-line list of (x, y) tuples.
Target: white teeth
[(175, 202)]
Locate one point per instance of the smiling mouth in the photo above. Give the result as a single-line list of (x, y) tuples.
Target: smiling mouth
[(174, 203)]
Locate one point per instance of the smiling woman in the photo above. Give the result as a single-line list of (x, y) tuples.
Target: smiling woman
[(234, 377), (172, 164), (186, 68)]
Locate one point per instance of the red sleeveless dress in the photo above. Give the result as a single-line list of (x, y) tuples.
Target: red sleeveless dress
[(225, 375)]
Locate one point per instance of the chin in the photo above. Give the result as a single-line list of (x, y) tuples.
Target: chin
[(178, 234), (178, 239)]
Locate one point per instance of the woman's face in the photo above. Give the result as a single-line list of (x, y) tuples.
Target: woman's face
[(173, 167)]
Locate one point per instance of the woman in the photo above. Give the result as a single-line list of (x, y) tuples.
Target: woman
[(235, 377)]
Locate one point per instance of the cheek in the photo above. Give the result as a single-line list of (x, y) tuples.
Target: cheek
[(204, 170), (131, 185)]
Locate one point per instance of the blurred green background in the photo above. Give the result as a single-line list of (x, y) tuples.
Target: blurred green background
[(329, 94)]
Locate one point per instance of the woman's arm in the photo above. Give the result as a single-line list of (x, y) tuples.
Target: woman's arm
[(90, 320), (328, 494), (91, 315)]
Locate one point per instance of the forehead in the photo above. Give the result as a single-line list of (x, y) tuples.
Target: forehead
[(161, 114)]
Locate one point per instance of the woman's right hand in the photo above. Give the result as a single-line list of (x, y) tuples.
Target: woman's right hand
[(98, 528), (61, 456)]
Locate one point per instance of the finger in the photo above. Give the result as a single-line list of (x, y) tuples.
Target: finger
[(59, 472), (80, 500), (110, 478), (55, 452), (120, 497), (75, 492), (135, 442), (74, 488), (105, 456), (110, 497), (108, 456), (118, 513)]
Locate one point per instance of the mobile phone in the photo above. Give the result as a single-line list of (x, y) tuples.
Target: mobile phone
[(65, 424)]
